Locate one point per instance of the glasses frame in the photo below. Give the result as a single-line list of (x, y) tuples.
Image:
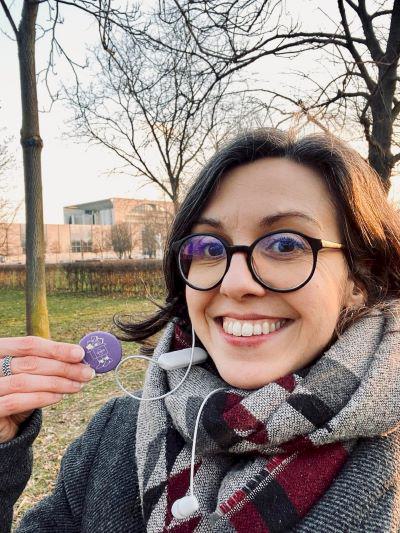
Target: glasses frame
[(315, 244)]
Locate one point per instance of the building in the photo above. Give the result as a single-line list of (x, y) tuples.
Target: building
[(114, 211), (106, 229)]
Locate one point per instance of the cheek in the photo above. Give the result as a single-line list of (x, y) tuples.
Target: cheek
[(332, 278), (319, 303), (197, 303)]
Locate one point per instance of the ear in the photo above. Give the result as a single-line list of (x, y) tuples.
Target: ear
[(355, 295)]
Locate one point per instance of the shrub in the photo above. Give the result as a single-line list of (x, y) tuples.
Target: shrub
[(131, 277)]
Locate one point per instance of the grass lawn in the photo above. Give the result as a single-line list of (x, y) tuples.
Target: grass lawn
[(71, 317)]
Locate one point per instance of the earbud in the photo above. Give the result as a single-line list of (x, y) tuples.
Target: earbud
[(188, 505), (182, 358), (167, 361), (185, 507)]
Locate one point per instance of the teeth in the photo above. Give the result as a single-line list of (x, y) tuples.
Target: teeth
[(247, 329), (257, 329), (237, 329)]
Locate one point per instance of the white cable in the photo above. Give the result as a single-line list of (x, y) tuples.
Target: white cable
[(154, 362), (195, 436), (188, 505)]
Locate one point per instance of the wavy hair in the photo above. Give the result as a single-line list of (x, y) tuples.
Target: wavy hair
[(370, 224)]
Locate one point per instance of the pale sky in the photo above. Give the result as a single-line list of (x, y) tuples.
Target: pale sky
[(71, 172), (76, 173)]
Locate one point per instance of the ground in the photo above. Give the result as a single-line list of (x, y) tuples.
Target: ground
[(71, 317)]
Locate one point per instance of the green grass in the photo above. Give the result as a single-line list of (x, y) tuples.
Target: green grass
[(71, 317)]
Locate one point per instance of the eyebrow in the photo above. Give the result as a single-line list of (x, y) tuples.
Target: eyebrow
[(266, 221)]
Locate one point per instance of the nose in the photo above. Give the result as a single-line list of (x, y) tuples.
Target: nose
[(238, 281)]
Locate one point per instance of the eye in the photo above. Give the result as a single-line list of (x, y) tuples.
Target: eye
[(284, 244), (213, 249), (204, 247)]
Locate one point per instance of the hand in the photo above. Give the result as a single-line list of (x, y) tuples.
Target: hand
[(42, 372)]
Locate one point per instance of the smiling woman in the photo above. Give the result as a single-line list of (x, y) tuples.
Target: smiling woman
[(319, 173), (272, 189), (283, 265)]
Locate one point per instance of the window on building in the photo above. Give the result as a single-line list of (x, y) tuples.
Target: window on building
[(144, 208), (81, 238), (81, 246)]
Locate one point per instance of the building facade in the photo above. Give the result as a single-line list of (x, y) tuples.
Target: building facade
[(106, 229)]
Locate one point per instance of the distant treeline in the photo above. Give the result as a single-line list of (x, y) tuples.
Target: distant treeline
[(131, 277)]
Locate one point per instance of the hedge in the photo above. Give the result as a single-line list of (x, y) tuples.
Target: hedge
[(131, 277)]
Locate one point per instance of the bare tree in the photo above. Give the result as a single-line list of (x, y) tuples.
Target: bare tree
[(8, 211), (363, 47), (101, 240), (122, 239), (5, 206), (155, 231), (31, 141), (152, 108)]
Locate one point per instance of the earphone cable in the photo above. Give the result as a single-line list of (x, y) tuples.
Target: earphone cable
[(118, 380), (195, 436)]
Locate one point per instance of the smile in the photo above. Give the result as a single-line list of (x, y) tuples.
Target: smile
[(248, 328)]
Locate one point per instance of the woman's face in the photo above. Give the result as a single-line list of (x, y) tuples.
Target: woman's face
[(290, 196)]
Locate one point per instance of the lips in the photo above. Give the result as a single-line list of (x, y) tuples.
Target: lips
[(254, 339)]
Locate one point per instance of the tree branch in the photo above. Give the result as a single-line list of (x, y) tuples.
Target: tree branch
[(9, 17), (372, 42), (352, 49), (396, 158)]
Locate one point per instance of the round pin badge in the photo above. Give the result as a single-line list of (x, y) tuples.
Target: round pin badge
[(103, 351)]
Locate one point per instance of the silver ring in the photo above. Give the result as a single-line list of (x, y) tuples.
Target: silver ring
[(6, 365)]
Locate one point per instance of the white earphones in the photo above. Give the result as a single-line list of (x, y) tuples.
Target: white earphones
[(188, 505), (167, 361)]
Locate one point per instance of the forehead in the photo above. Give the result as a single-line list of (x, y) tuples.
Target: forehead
[(267, 187)]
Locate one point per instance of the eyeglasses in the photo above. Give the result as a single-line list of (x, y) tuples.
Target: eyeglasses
[(282, 261)]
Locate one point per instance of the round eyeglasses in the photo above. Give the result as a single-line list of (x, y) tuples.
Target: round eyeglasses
[(282, 261)]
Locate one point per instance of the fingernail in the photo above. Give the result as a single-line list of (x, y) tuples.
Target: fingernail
[(78, 352), (88, 372)]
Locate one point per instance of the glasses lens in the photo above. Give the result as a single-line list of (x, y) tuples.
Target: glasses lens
[(283, 260), (202, 259)]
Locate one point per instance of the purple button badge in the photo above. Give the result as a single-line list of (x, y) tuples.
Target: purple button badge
[(103, 351)]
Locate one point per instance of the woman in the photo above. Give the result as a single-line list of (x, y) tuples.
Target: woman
[(284, 258)]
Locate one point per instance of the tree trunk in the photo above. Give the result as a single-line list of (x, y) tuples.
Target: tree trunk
[(382, 103), (175, 193), (379, 146), (37, 321)]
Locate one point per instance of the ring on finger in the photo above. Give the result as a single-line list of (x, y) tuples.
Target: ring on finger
[(6, 365)]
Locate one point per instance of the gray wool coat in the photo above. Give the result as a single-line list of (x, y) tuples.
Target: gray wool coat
[(97, 492)]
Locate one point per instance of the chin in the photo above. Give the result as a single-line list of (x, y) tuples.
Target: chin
[(249, 382)]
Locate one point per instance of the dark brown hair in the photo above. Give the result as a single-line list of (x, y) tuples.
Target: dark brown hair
[(370, 224)]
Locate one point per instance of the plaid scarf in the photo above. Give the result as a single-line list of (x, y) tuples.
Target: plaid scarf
[(263, 457)]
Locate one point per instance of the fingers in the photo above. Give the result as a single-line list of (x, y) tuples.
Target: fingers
[(26, 383), (33, 364), (13, 404), (42, 371), (30, 345)]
